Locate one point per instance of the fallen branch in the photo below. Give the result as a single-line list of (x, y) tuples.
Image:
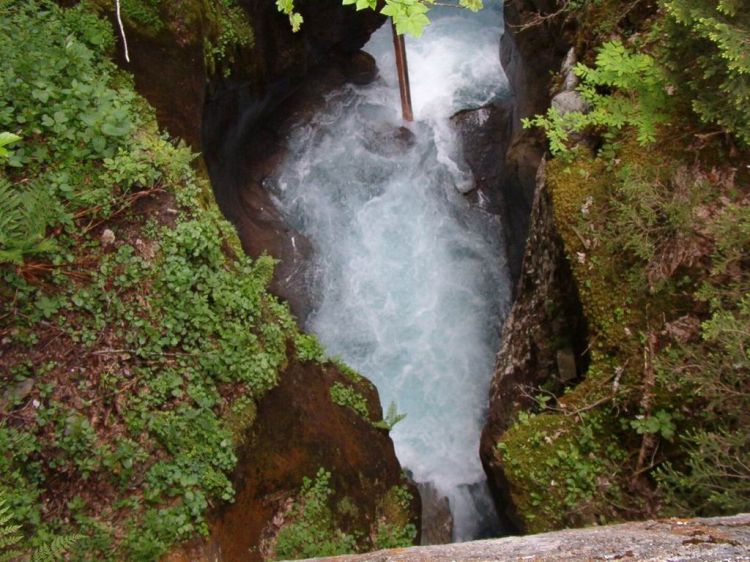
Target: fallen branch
[(122, 30), (538, 18), (649, 441)]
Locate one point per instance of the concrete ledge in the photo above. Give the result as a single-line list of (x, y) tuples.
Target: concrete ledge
[(711, 539)]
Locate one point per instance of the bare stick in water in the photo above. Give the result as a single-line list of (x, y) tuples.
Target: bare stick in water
[(403, 74)]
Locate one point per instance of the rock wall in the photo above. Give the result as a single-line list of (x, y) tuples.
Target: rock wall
[(543, 339), (529, 57), (246, 116), (544, 336), (696, 540), (297, 431)]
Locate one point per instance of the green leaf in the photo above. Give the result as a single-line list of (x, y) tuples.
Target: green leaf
[(5, 140)]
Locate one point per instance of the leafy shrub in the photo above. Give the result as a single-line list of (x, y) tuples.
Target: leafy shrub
[(233, 32), (639, 99), (311, 531), (707, 51), (56, 84), (309, 349), (348, 397), (159, 327), (409, 16)]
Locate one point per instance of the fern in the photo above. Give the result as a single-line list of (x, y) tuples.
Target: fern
[(391, 418), (23, 222), (56, 549), (9, 532)]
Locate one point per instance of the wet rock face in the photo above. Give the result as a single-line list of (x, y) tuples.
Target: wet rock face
[(529, 57), (484, 134), (169, 69), (297, 431), (437, 521), (501, 164), (544, 338), (247, 116)]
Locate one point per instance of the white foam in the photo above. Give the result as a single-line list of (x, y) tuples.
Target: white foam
[(412, 281)]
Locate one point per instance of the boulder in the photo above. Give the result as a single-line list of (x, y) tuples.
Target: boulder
[(298, 430), (569, 102), (437, 521)]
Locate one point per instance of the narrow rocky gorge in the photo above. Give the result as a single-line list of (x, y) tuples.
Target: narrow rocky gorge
[(247, 121), (235, 122), (248, 311), (284, 77)]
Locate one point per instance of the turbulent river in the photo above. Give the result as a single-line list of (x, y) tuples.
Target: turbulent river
[(410, 277)]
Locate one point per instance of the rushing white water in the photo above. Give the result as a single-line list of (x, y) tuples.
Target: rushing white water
[(411, 278)]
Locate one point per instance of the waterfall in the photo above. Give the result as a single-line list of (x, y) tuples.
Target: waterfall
[(410, 277)]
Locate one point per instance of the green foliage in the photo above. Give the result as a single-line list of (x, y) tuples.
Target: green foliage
[(312, 527), (348, 397), (714, 477), (11, 539), (234, 32), (559, 468), (658, 246), (657, 235), (308, 348), (394, 529), (287, 7), (143, 14), (6, 139), (56, 549), (311, 531), (707, 51), (660, 423), (23, 223), (639, 100), (151, 336), (695, 56), (55, 84), (391, 535), (347, 371), (391, 418), (9, 532), (410, 16)]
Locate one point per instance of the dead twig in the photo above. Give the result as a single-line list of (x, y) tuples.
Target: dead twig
[(649, 441), (122, 30), (538, 18)]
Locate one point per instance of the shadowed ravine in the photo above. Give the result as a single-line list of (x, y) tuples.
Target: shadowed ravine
[(409, 277)]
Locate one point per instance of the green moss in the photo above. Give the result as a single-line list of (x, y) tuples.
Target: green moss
[(558, 468), (395, 528), (641, 231)]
